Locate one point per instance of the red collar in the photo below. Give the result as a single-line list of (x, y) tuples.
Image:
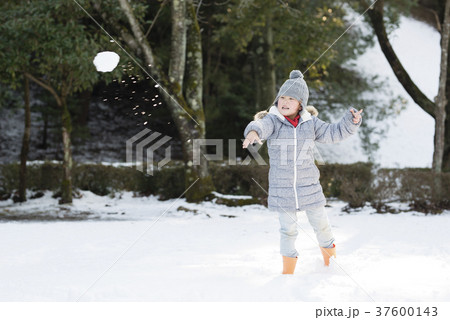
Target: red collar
[(295, 121)]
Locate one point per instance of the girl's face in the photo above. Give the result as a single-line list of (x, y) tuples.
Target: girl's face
[(288, 106)]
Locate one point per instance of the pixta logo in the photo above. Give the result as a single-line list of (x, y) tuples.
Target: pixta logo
[(146, 142)]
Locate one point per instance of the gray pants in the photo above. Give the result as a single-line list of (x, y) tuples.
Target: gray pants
[(288, 230)]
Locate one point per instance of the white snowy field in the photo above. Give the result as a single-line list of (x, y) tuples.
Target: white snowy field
[(143, 249)]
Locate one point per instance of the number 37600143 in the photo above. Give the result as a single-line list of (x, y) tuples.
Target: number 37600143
[(407, 311)]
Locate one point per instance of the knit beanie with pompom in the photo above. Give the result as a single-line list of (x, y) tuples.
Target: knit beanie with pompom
[(294, 87)]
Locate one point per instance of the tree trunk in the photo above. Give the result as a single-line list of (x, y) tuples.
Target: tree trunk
[(194, 98), (188, 119), (25, 145), (177, 63), (263, 65), (66, 186), (441, 103), (263, 69), (441, 99), (433, 13), (257, 83), (268, 85), (446, 157)]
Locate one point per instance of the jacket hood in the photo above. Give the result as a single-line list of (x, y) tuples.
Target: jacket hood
[(305, 114)]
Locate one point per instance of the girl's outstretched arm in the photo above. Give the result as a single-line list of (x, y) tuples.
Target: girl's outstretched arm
[(264, 127), (336, 132)]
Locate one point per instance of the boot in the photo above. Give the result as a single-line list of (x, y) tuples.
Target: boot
[(327, 253), (289, 265)]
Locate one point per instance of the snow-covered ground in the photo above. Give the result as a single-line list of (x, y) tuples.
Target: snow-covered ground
[(142, 249)]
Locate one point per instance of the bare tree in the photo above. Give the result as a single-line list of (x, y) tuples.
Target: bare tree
[(435, 109)]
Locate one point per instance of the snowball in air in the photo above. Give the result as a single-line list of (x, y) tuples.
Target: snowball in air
[(106, 61)]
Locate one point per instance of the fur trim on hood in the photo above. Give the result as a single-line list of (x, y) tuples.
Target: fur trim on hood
[(312, 110)]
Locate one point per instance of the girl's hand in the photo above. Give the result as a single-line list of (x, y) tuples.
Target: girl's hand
[(356, 115), (252, 136)]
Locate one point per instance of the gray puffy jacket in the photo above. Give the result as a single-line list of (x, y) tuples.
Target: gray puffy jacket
[(294, 181)]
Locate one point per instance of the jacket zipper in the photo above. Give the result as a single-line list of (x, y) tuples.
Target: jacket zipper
[(295, 168)]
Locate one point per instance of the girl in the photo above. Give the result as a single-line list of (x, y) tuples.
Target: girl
[(291, 130)]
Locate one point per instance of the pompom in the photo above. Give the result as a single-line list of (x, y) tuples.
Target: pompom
[(296, 74)]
